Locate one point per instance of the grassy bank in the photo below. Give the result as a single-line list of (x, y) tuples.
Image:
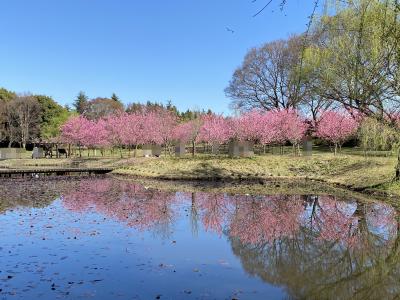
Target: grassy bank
[(349, 170), (90, 162)]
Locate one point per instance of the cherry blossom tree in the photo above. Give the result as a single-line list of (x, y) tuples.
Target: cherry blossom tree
[(74, 131), (166, 122), (116, 130), (215, 130), (158, 127), (134, 129), (188, 132), (247, 127), (95, 135), (288, 125), (336, 127)]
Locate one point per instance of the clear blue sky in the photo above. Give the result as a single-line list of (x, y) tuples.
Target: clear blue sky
[(141, 50)]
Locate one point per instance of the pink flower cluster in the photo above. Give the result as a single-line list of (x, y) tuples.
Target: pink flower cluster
[(163, 127), (155, 127), (336, 127)]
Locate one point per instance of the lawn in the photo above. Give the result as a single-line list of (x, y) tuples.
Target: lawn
[(350, 170)]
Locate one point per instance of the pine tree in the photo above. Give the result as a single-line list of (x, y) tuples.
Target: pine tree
[(81, 102), (115, 98)]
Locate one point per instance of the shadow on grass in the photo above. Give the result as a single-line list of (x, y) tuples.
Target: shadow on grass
[(357, 166), (210, 171), (204, 170)]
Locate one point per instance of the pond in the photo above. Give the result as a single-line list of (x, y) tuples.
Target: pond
[(105, 238)]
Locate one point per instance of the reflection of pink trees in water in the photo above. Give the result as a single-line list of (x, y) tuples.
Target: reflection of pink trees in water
[(251, 219), (129, 203), (349, 223), (336, 221), (266, 218), (214, 209), (86, 195), (381, 217)]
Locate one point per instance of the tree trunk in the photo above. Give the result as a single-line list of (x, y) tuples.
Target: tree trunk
[(397, 177), (193, 148)]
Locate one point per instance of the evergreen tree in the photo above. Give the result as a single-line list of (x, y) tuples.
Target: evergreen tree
[(6, 95), (81, 102), (115, 98)]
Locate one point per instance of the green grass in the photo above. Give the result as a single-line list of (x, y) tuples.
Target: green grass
[(354, 171)]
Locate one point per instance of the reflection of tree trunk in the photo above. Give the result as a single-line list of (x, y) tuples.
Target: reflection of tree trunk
[(313, 211), (360, 210), (194, 216)]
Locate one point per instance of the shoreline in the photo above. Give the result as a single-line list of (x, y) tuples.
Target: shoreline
[(370, 176), (273, 185)]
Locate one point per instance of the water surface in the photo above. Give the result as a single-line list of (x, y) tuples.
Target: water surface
[(102, 238)]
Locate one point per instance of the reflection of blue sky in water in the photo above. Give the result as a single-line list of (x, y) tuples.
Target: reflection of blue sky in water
[(108, 239)]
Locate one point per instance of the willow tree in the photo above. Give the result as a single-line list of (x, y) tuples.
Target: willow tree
[(354, 55), (355, 60)]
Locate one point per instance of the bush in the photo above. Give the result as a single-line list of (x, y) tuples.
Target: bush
[(376, 136)]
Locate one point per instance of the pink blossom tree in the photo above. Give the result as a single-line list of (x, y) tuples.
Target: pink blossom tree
[(135, 129), (336, 127), (247, 127), (159, 127), (95, 135), (289, 126), (116, 130), (188, 132), (74, 131), (215, 130)]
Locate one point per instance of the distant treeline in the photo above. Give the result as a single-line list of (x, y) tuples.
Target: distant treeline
[(28, 118)]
